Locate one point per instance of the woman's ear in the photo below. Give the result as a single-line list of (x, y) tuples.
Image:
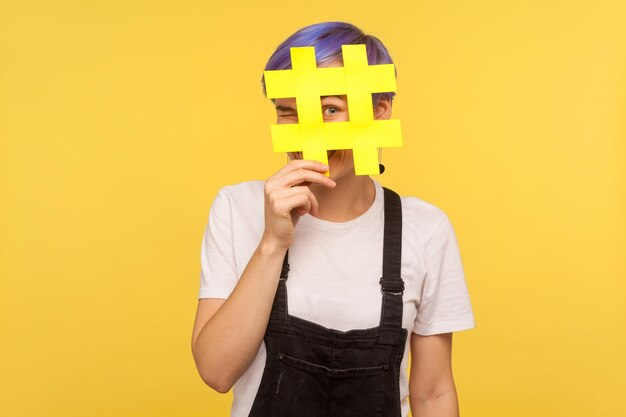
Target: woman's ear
[(382, 110)]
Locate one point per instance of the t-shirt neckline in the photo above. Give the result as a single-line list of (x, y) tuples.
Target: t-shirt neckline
[(373, 210)]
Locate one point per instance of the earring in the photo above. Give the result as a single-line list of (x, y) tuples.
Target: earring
[(381, 167)]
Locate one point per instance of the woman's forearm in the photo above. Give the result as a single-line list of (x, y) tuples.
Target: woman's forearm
[(230, 340)]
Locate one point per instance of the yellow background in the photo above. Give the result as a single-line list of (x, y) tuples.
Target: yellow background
[(120, 120)]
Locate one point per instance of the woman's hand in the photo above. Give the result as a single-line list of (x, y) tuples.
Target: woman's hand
[(288, 197)]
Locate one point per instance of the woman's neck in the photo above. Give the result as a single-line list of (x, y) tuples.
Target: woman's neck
[(349, 199)]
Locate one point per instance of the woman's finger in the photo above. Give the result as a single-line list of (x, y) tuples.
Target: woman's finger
[(302, 175), (286, 196), (300, 203), (298, 164)]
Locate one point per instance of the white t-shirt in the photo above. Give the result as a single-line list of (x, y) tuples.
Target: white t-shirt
[(335, 270)]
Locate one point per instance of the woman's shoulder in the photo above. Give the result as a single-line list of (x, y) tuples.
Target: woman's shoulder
[(422, 218), (242, 199), (243, 191), (421, 209)]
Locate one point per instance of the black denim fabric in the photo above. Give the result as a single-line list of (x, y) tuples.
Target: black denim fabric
[(313, 371)]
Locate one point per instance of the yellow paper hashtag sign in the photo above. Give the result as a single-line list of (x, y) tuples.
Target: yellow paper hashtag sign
[(357, 80)]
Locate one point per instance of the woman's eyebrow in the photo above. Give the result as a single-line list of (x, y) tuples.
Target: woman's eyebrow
[(284, 108), (331, 96)]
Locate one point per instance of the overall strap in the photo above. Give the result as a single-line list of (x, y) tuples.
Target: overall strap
[(279, 308), (391, 283)]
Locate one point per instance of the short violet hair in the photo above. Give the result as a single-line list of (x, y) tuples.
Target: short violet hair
[(327, 38)]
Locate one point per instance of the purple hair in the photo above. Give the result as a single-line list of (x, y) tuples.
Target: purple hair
[(327, 38)]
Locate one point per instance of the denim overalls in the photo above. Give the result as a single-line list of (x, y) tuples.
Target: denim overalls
[(313, 371)]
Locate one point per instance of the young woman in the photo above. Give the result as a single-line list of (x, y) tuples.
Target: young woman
[(314, 289)]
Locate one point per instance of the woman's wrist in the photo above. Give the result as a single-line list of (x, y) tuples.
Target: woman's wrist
[(270, 247)]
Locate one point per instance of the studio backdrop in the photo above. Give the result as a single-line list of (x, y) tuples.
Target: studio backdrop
[(121, 120)]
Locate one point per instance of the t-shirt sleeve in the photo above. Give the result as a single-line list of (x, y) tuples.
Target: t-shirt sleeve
[(218, 275), (444, 303)]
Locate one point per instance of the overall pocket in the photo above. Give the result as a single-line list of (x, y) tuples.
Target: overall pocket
[(305, 389)]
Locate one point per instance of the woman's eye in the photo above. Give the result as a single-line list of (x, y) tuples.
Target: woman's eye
[(331, 111)]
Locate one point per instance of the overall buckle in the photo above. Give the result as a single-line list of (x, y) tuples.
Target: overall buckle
[(392, 286)]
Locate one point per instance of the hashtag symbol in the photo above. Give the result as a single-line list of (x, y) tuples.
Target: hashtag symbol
[(357, 80)]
